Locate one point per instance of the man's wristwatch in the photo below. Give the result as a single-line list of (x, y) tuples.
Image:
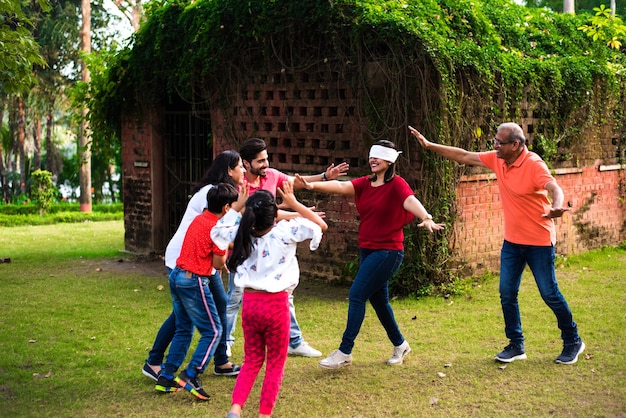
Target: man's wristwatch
[(324, 176)]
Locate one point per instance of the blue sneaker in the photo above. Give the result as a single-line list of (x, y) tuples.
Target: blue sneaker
[(570, 353), (511, 353)]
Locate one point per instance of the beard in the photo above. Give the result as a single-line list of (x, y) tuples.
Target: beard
[(258, 171)]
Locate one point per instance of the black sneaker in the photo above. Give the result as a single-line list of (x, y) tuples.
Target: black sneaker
[(166, 385), (193, 385), (511, 353), (570, 353), (233, 370), (148, 371)]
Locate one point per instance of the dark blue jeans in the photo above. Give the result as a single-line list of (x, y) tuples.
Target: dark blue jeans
[(540, 259), (372, 283), (168, 328), (193, 307)]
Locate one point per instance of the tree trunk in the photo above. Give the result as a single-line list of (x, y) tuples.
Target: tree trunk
[(138, 14), (3, 181), (568, 6), (132, 10), (21, 142), (53, 159), (37, 143), (84, 147), (612, 7)]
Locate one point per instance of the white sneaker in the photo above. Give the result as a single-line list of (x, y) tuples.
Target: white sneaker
[(398, 354), (304, 350), (336, 360)]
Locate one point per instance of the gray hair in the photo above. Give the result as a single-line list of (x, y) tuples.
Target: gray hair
[(515, 133)]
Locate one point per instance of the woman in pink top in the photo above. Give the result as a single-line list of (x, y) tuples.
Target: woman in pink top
[(385, 203)]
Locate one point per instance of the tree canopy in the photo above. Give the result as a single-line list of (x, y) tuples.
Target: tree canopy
[(19, 49)]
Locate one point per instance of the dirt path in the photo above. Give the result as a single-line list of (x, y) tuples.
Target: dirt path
[(148, 265)]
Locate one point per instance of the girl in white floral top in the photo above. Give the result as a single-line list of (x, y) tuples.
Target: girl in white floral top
[(264, 259)]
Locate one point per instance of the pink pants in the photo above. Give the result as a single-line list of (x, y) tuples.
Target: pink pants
[(265, 322)]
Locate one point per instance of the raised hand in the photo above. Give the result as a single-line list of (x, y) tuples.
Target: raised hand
[(240, 203), (287, 195), (332, 172), (420, 138), (300, 182)]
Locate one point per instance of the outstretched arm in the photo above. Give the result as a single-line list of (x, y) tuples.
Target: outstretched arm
[(459, 155), (334, 186), (331, 173), (414, 206), (286, 193)]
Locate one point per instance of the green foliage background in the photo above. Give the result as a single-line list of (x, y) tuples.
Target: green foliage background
[(474, 63)]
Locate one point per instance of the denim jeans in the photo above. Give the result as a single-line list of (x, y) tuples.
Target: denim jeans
[(193, 306), (235, 296), (168, 328), (540, 259), (163, 338), (372, 283), (162, 341)]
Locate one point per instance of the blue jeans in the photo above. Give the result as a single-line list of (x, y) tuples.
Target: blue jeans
[(540, 259), (163, 338), (193, 306), (235, 296), (168, 328), (372, 283)]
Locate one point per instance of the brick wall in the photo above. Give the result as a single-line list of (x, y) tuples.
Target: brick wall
[(142, 162), (311, 120), (597, 217), (308, 120)]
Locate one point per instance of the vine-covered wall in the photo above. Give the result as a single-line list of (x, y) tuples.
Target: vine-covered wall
[(332, 77)]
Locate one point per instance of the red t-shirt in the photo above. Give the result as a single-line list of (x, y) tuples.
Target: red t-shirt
[(382, 213), (524, 198), (196, 254)]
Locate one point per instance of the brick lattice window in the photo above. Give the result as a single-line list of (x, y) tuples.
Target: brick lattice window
[(308, 120)]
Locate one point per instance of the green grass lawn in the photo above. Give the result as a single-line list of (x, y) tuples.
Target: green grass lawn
[(79, 316)]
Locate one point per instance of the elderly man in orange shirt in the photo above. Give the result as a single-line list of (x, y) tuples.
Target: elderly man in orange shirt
[(524, 182)]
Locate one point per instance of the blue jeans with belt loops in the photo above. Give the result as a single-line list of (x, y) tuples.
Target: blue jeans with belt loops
[(193, 306), (372, 283), (540, 259), (168, 328)]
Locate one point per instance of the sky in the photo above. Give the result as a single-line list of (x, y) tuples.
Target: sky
[(123, 26)]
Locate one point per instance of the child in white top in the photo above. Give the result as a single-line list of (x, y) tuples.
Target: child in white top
[(264, 259)]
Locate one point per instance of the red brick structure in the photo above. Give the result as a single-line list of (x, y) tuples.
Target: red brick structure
[(598, 216), (310, 120)]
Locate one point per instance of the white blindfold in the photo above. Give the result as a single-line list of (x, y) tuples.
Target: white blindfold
[(384, 153)]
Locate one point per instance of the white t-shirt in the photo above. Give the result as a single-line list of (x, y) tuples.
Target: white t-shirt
[(196, 205), (272, 266)]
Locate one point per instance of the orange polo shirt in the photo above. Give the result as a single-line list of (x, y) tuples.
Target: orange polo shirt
[(524, 198)]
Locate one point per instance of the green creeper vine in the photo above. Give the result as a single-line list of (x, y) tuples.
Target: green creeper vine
[(453, 68)]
